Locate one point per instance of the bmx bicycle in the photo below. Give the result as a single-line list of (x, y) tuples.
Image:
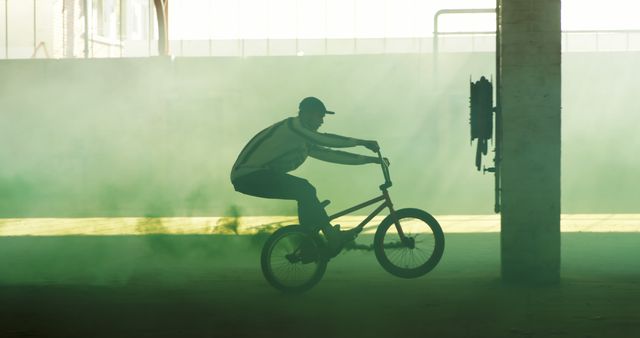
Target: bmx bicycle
[(408, 243)]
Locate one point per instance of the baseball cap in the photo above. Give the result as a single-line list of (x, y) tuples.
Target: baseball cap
[(313, 104)]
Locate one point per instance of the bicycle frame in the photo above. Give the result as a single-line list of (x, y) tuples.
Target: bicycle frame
[(384, 197)]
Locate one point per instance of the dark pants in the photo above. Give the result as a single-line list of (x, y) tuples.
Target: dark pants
[(270, 184)]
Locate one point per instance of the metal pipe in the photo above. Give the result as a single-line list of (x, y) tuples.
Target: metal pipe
[(92, 29), (436, 33), (64, 28), (120, 10), (162, 10), (165, 28), (34, 28), (6, 29), (150, 28), (454, 11), (86, 29)]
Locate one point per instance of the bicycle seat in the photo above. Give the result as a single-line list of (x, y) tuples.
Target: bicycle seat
[(325, 203)]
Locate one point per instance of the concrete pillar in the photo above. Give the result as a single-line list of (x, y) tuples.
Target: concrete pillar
[(529, 61)]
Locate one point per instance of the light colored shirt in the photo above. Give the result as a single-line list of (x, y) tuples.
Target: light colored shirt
[(285, 145)]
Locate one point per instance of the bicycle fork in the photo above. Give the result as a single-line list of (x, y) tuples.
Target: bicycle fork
[(396, 221)]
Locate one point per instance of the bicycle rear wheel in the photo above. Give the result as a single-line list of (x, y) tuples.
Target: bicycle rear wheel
[(421, 250), (293, 259)]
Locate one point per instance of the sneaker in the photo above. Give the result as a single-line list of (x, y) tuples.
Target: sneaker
[(350, 235), (336, 238)]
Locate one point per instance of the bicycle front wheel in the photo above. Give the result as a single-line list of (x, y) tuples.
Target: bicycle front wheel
[(293, 259), (420, 250)]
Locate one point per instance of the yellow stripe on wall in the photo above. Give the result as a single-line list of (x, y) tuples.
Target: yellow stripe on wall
[(253, 224)]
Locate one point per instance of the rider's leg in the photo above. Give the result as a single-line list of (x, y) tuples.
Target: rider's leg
[(269, 184), (311, 213), (310, 210)]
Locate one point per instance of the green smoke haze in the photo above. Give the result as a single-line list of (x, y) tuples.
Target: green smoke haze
[(157, 137)]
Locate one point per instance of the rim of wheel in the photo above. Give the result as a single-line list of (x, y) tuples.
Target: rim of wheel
[(416, 251)]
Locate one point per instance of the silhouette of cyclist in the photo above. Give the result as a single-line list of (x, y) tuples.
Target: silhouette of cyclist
[(262, 166)]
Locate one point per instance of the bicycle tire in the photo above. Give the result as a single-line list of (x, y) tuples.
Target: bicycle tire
[(426, 259), (297, 236)]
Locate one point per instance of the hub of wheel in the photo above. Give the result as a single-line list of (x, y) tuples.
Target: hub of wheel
[(410, 242), (292, 258)]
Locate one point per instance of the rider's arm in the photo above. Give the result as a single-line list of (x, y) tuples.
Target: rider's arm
[(337, 156), (327, 140)]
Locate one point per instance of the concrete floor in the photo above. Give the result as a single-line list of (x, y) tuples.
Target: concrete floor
[(211, 286)]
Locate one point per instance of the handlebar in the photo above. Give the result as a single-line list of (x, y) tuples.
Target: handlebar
[(385, 172)]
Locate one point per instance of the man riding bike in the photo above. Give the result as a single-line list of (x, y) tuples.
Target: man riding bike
[(262, 166)]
